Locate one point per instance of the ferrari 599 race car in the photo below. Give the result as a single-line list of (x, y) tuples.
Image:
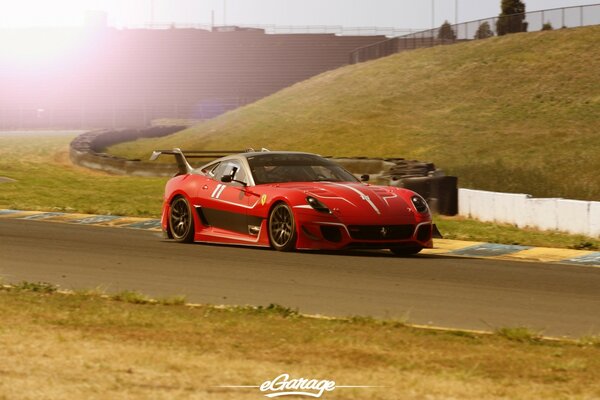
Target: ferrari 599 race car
[(290, 201)]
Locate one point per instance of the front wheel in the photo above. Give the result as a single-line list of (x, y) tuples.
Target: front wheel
[(406, 251), (282, 228), (181, 221)]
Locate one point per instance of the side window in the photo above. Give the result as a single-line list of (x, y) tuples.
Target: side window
[(226, 167), (219, 171), (210, 169)]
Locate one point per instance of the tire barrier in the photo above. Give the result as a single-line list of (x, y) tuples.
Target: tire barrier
[(87, 150), (440, 191)]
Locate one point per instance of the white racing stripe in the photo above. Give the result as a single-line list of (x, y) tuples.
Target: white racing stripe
[(216, 190), (220, 191), (361, 194)]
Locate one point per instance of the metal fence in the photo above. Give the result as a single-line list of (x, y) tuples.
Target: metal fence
[(557, 18)]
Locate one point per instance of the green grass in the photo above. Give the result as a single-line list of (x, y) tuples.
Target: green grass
[(519, 334), (83, 345), (519, 113), (467, 229), (46, 180)]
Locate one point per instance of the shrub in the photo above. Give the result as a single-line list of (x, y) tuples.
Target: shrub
[(484, 31), (446, 32), (547, 27)]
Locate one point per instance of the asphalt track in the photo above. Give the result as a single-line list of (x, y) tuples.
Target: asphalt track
[(430, 290)]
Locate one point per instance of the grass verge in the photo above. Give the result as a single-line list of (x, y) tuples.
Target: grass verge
[(47, 181), (460, 228), (83, 345)]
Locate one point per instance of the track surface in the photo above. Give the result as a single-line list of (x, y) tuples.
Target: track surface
[(442, 291)]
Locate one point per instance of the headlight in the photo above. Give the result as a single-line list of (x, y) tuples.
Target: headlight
[(317, 205), (420, 204)]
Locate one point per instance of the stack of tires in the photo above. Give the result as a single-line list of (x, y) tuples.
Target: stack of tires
[(440, 191)]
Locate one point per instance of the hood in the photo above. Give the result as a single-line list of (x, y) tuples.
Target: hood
[(350, 200)]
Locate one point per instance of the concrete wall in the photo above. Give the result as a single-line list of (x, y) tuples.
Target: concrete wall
[(573, 216)]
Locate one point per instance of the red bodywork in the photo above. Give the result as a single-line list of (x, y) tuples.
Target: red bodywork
[(362, 215)]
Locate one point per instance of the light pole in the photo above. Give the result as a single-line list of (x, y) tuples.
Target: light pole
[(432, 14), (456, 12), (224, 12)]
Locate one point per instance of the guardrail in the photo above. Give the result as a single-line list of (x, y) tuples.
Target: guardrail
[(522, 210), (556, 18)]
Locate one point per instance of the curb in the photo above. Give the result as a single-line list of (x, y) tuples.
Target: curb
[(85, 219), (446, 247)]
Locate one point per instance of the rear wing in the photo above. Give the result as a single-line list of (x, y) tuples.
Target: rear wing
[(181, 157)]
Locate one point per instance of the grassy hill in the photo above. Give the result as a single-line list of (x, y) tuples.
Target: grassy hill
[(519, 113)]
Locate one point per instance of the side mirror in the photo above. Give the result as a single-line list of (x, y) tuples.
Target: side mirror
[(226, 178), (364, 178)]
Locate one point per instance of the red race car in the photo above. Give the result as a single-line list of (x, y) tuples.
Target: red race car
[(289, 201)]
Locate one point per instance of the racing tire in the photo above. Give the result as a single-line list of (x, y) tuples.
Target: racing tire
[(406, 251), (181, 221), (282, 228)]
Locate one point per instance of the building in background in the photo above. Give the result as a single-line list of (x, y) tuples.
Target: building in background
[(106, 77)]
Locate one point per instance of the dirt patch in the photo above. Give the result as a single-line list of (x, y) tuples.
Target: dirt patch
[(4, 179)]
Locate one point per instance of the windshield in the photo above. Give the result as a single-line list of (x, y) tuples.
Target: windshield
[(276, 168)]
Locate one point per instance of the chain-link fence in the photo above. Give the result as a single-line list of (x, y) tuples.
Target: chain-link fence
[(558, 18)]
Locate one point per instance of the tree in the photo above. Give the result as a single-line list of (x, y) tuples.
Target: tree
[(484, 31), (512, 17), (446, 31)]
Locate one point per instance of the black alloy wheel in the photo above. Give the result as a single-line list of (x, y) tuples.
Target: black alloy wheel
[(181, 221), (282, 228)]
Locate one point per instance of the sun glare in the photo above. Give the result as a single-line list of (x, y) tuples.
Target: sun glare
[(37, 46), (41, 32), (42, 13)]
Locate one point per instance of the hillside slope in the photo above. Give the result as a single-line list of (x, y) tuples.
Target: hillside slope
[(520, 113)]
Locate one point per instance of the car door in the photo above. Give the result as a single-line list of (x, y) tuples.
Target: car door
[(225, 205)]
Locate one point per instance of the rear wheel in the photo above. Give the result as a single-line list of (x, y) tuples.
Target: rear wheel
[(406, 251), (181, 221), (282, 228)]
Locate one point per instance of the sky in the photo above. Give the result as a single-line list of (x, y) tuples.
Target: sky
[(404, 14)]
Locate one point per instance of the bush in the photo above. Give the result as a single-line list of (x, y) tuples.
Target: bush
[(446, 32), (484, 31), (547, 27)]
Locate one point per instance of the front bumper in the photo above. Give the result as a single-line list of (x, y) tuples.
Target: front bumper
[(326, 232)]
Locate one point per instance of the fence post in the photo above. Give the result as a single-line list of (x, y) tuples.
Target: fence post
[(563, 17), (543, 19)]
